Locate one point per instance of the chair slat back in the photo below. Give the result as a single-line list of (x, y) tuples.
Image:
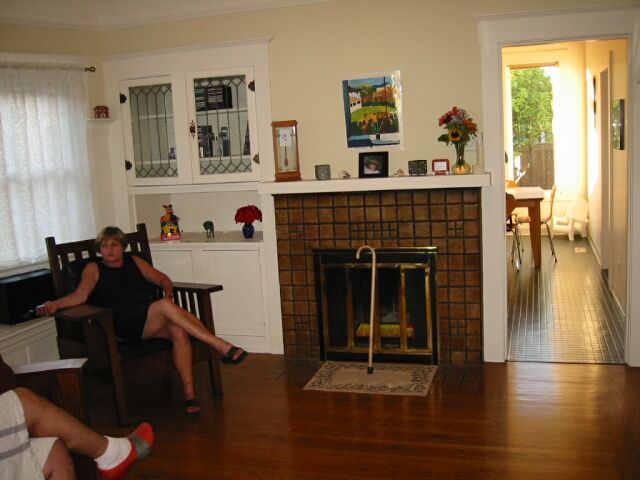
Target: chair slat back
[(62, 254)]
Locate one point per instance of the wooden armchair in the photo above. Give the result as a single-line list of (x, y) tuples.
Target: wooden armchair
[(88, 331), (62, 383)]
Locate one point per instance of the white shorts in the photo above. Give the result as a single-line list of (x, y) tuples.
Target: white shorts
[(21, 457)]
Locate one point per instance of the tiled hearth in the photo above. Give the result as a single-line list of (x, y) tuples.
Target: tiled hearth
[(449, 219)]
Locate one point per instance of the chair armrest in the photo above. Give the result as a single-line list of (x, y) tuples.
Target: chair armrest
[(196, 287), (82, 312), (60, 381), (49, 367)]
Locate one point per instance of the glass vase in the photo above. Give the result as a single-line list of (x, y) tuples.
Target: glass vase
[(248, 230), (460, 167)]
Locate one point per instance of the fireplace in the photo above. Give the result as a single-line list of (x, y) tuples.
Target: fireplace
[(448, 219), (405, 304)]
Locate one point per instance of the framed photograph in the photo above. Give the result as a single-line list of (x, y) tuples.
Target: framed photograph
[(373, 164), (373, 110), (440, 166), (617, 124)]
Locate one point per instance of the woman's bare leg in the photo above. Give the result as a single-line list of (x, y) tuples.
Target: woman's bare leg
[(182, 355), (163, 311)]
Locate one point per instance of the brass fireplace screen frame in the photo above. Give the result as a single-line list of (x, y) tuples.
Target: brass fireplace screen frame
[(399, 339)]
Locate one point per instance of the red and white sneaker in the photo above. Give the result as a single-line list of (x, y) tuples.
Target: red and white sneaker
[(142, 440)]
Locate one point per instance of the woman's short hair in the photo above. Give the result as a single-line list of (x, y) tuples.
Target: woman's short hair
[(110, 233)]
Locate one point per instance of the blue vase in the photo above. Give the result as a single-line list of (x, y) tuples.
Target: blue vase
[(247, 230)]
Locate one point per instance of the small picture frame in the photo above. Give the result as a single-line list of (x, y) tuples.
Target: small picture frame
[(417, 167), (440, 166), (373, 164), (617, 124)]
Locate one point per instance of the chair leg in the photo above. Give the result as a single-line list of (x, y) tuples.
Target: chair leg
[(553, 250)]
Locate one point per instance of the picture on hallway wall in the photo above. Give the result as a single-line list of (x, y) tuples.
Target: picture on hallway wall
[(373, 110), (617, 124)]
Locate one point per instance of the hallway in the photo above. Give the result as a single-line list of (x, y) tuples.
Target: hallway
[(564, 311)]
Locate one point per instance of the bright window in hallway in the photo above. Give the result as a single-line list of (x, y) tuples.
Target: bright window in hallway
[(532, 94)]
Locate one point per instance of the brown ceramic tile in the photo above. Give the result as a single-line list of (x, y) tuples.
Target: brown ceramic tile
[(388, 198), (356, 200), (474, 310), (436, 197), (326, 231), (456, 310), (474, 294), (438, 212), (285, 277), (310, 215), (372, 214), (297, 247), (310, 201), (474, 327), (299, 277), (372, 199), (454, 212), (455, 246), (405, 213), (453, 196), (297, 262), (341, 215), (295, 216), (472, 245), (471, 195), (286, 292), (325, 215), (389, 214), (403, 198)]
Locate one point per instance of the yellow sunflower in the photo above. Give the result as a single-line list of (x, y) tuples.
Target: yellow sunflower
[(455, 135)]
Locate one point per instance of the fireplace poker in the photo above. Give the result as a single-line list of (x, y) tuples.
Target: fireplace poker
[(373, 300)]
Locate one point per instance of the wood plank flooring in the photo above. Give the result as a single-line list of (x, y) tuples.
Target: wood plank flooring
[(564, 311), (497, 421)]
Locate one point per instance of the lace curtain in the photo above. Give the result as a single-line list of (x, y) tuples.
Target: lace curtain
[(45, 182)]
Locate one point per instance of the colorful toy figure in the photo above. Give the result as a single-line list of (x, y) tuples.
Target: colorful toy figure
[(169, 224)]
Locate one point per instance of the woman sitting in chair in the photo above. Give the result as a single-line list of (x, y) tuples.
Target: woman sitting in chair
[(123, 283)]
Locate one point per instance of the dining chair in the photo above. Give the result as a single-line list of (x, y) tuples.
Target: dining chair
[(544, 221), (512, 226)]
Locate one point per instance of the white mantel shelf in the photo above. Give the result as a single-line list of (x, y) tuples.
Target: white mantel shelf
[(376, 184)]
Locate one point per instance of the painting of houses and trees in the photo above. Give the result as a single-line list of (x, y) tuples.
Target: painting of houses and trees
[(373, 110)]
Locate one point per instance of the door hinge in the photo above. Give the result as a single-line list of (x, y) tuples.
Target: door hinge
[(256, 158), (128, 165), (123, 98), (252, 85)]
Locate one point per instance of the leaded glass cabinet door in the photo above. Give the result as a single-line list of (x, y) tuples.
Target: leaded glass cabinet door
[(153, 157), (222, 126)]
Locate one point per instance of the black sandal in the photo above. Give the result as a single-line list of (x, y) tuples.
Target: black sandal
[(229, 357), (192, 407)]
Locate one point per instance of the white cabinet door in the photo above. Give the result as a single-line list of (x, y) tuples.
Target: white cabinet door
[(222, 121), (177, 264), (239, 307), (152, 108)]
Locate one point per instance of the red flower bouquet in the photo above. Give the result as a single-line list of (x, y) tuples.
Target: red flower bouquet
[(248, 214)]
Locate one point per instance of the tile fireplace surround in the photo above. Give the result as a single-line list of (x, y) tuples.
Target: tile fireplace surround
[(448, 218)]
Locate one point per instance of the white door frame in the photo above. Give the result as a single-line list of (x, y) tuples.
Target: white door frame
[(494, 32)]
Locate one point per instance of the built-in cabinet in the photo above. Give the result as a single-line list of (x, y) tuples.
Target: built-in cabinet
[(240, 308), (193, 124), (190, 127)]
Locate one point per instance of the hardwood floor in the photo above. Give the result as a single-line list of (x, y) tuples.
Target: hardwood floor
[(497, 421), (564, 311)]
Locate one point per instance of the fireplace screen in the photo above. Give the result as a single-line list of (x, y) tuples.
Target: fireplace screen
[(404, 312)]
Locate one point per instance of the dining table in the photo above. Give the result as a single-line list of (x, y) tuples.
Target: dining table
[(530, 198)]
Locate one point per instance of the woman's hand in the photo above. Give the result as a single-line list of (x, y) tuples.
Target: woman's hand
[(47, 308)]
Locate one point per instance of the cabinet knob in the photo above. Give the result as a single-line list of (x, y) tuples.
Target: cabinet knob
[(256, 158)]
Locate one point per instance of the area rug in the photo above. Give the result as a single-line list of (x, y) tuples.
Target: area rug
[(387, 378)]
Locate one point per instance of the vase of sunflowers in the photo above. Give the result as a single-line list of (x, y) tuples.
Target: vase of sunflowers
[(460, 128)]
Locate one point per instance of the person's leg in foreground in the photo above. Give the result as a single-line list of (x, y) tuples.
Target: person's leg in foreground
[(114, 456)]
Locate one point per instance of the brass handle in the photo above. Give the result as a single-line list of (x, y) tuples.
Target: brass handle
[(192, 129)]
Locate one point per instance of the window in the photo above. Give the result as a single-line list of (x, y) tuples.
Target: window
[(45, 183), (532, 125)]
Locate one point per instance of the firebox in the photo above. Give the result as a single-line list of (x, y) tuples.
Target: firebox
[(405, 304)]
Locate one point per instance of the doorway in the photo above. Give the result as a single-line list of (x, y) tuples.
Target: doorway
[(497, 31), (563, 311)]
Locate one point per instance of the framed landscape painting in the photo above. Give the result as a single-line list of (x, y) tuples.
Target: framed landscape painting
[(373, 110)]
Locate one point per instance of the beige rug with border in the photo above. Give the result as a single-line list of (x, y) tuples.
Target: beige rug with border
[(387, 378)]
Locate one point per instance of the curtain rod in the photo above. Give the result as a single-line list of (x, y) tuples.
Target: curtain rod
[(47, 66)]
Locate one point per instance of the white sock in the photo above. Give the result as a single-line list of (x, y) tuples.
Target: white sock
[(117, 450)]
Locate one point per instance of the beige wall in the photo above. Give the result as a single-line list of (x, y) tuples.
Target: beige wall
[(433, 44)]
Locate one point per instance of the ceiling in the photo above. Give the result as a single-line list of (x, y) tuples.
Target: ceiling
[(106, 14)]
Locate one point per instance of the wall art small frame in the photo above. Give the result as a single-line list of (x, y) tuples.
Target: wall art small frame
[(373, 164), (617, 124)]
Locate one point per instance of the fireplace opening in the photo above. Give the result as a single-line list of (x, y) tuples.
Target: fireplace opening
[(405, 304)]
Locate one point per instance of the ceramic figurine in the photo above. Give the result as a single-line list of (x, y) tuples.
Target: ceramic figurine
[(169, 224)]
